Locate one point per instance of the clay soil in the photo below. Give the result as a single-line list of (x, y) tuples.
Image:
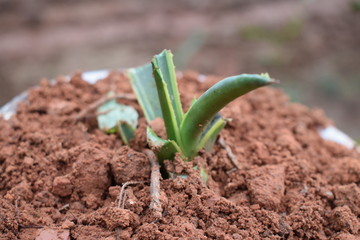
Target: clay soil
[(60, 177)]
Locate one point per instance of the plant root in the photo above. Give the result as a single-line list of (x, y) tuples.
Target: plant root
[(122, 194), (17, 216), (83, 113), (121, 204), (64, 208), (17, 212), (30, 226), (229, 152), (155, 204)]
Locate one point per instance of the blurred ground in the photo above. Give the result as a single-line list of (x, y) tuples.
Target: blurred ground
[(312, 46)]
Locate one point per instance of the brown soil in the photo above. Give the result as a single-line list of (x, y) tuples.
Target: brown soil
[(59, 178)]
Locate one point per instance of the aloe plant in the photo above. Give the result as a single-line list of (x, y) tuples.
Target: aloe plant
[(187, 133)]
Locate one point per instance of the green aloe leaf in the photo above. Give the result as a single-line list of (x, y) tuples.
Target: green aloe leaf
[(164, 63), (113, 116), (168, 112), (211, 102), (164, 149), (126, 131), (209, 136), (204, 175), (144, 86)]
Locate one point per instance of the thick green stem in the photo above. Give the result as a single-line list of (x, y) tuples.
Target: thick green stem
[(211, 102)]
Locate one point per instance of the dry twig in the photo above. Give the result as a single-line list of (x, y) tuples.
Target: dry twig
[(229, 152), (82, 114), (155, 203)]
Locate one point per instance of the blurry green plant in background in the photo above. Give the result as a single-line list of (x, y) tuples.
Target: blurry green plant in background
[(355, 6), (277, 35)]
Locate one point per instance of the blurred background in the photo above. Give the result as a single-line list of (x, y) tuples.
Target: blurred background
[(312, 46)]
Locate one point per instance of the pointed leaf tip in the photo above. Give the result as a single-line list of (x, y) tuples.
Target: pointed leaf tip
[(266, 75), (269, 79), (274, 81)]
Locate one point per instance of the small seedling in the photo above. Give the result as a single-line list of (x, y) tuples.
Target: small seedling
[(187, 133)]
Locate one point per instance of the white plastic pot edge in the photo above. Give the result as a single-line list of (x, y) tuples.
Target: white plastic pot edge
[(329, 133), (333, 134)]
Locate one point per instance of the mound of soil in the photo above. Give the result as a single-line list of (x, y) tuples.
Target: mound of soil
[(60, 177)]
